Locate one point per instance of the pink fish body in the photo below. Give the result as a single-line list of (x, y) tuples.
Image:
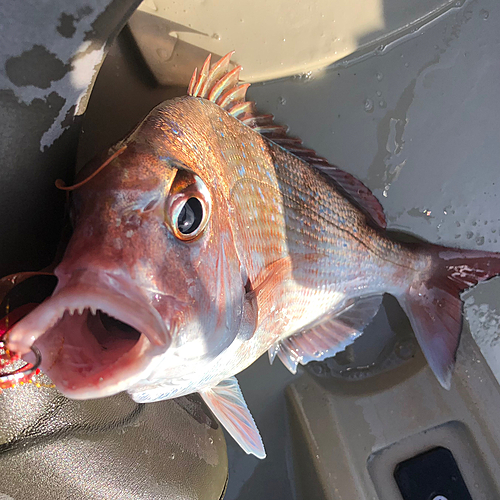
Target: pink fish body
[(213, 237)]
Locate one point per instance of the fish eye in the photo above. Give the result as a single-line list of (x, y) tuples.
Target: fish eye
[(190, 217), (188, 206)]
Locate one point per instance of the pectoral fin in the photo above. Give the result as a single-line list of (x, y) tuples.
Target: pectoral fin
[(329, 336), (228, 405)]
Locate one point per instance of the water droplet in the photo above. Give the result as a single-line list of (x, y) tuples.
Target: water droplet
[(382, 103), (304, 77), (457, 224), (469, 235), (282, 100), (480, 240), (368, 105), (172, 456), (405, 349), (318, 368), (211, 441), (484, 13), (379, 94), (163, 54), (216, 36), (379, 76), (407, 64)]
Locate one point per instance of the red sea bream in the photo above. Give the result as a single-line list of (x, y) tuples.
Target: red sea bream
[(212, 237)]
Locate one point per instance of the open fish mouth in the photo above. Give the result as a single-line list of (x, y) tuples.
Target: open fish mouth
[(94, 340)]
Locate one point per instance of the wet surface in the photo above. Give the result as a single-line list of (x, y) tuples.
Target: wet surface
[(44, 77), (249, 477), (417, 121)]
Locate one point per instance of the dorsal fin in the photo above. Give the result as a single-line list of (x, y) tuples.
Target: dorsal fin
[(221, 85)]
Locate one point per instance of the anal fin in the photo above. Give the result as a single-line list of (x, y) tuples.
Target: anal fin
[(332, 334), (228, 405)]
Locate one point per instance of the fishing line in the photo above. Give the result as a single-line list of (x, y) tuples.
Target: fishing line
[(61, 185)]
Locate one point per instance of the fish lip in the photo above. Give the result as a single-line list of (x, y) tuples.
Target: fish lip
[(81, 293), (79, 296)]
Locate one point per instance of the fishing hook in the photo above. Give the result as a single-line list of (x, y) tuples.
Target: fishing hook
[(19, 374)]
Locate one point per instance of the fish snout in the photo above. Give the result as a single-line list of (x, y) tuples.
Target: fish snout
[(97, 335)]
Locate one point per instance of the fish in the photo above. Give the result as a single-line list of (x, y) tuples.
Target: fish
[(209, 236)]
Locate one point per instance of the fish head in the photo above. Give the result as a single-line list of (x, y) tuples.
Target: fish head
[(151, 267)]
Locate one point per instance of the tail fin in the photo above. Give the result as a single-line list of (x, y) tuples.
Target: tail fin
[(434, 307)]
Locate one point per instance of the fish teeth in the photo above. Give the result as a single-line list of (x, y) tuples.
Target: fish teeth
[(93, 310)]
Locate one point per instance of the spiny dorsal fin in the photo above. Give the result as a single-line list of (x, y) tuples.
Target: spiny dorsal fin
[(221, 85)]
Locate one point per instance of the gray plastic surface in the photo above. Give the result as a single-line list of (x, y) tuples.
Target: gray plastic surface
[(49, 55), (349, 437), (418, 121)]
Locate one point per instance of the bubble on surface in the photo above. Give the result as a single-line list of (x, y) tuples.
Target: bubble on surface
[(484, 322), (368, 105)]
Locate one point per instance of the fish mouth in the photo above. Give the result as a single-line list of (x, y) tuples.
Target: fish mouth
[(94, 339)]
